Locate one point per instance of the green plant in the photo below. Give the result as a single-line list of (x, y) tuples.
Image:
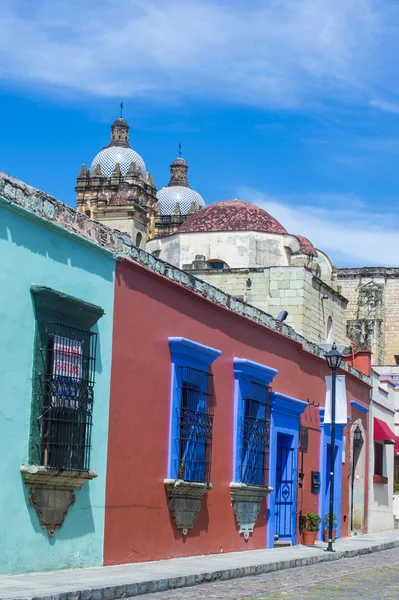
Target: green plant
[(326, 521), (312, 521), (396, 486)]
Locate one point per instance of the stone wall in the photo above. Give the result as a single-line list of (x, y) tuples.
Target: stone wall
[(373, 310), (308, 300)]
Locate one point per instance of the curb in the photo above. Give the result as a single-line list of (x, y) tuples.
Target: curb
[(116, 592)]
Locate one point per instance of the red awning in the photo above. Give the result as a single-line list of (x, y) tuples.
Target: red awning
[(382, 432)]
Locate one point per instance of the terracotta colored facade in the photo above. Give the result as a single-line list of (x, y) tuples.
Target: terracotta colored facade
[(148, 310)]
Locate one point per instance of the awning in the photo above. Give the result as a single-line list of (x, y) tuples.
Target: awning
[(382, 432)]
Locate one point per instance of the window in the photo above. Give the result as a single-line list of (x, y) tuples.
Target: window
[(191, 410), (139, 237), (217, 264), (378, 458), (255, 433), (195, 424), (65, 395), (64, 366), (252, 422)]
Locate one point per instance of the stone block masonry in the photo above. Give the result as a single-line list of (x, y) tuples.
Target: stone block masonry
[(294, 289), (373, 309)]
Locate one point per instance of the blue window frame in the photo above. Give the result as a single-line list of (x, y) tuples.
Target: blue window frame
[(252, 422), (191, 410)]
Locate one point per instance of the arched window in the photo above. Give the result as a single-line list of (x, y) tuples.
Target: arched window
[(139, 237), (88, 213), (217, 263), (330, 330)]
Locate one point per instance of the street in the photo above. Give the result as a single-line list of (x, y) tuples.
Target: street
[(370, 577)]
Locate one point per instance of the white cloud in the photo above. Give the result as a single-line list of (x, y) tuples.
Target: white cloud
[(350, 237), (277, 53), (390, 107)]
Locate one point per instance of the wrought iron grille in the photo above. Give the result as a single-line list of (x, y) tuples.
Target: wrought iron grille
[(255, 433), (66, 392), (195, 418)]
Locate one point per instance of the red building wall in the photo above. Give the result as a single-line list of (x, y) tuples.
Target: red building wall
[(148, 310)]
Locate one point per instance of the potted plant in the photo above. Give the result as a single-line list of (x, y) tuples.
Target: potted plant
[(312, 525), (326, 523)]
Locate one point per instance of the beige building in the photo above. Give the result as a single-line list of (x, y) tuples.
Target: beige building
[(241, 249), (373, 310)]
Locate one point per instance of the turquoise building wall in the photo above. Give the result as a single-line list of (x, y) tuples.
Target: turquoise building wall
[(36, 252)]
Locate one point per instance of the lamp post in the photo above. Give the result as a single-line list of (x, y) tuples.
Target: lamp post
[(334, 359)]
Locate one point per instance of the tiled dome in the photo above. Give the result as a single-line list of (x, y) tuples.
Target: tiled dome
[(232, 215), (168, 197), (306, 245), (109, 157)]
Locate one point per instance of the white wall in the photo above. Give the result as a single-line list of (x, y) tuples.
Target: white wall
[(380, 512), (242, 249)]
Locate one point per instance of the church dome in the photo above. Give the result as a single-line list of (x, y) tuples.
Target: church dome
[(178, 191), (232, 215), (168, 197), (109, 157)]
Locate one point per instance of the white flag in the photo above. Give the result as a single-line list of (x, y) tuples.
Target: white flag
[(340, 400)]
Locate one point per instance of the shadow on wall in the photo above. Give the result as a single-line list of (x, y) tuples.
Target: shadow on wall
[(43, 240), (79, 522)]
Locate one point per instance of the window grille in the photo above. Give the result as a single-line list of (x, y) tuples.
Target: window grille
[(255, 433), (195, 417), (65, 395)]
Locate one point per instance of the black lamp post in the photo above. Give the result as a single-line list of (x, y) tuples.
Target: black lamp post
[(334, 359)]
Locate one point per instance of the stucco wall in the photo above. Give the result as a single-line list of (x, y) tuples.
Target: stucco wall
[(380, 516), (307, 299), (32, 252), (236, 249), (148, 310)]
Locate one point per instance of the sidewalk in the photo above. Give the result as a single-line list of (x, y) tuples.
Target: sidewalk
[(111, 583)]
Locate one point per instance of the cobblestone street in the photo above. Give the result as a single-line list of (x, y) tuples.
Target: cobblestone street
[(371, 577)]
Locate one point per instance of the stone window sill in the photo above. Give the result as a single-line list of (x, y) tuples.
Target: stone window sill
[(39, 475), (242, 491)]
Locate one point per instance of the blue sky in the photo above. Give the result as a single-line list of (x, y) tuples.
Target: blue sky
[(292, 104)]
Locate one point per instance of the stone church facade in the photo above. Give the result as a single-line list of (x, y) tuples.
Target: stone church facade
[(373, 310)]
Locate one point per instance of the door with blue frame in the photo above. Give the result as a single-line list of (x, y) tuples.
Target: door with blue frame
[(285, 493)]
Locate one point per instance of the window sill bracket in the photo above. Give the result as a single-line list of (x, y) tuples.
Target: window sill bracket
[(246, 501), (185, 501), (52, 492)]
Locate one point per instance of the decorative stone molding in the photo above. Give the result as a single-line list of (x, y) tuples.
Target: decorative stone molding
[(52, 492), (185, 501), (246, 501)]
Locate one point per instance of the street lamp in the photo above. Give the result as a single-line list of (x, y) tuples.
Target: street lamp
[(334, 359)]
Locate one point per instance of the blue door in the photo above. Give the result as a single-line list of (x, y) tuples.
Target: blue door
[(286, 478)]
